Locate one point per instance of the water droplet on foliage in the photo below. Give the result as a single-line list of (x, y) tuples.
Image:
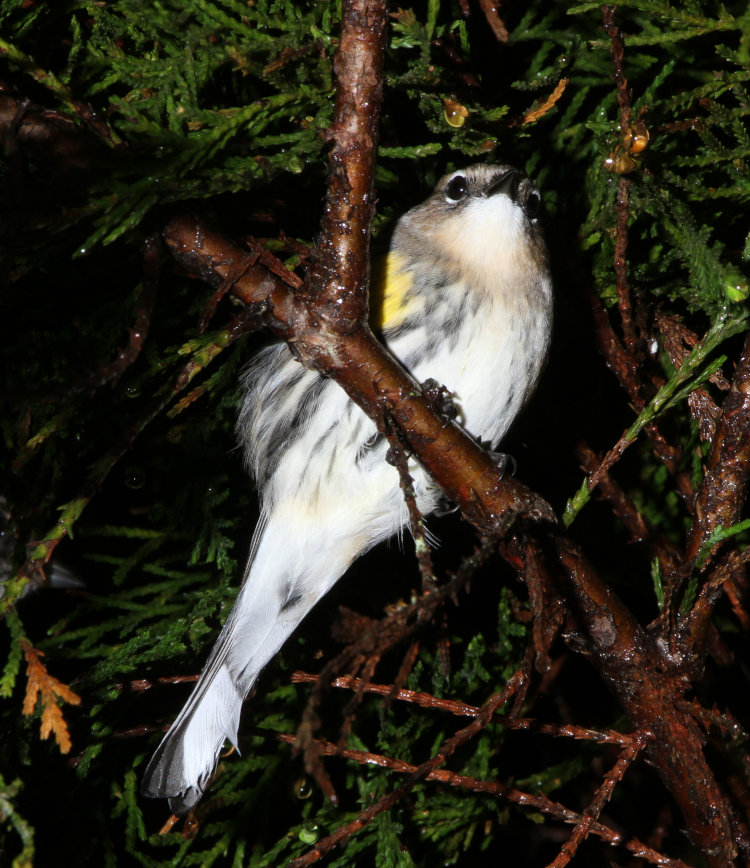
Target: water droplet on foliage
[(135, 478), (736, 292), (309, 834), (454, 113)]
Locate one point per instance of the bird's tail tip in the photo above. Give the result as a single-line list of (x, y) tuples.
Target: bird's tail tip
[(185, 761)]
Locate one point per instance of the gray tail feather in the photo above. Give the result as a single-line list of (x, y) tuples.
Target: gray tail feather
[(263, 617), (186, 759), (187, 756)]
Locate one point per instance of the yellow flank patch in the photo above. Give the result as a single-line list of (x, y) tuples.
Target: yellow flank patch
[(389, 304)]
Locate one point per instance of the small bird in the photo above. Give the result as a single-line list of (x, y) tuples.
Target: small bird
[(466, 300)]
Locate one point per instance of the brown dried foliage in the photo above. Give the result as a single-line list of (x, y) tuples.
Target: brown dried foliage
[(45, 688)]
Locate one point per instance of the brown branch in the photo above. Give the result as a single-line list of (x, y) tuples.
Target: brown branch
[(419, 773), (536, 801), (569, 730), (736, 588), (547, 607), (623, 366), (332, 306), (722, 493), (621, 262), (617, 49), (585, 825), (141, 685), (368, 671), (722, 721), (678, 341), (609, 629), (49, 138), (649, 684), (341, 268), (463, 709), (398, 457), (659, 546), (491, 9), (146, 296), (424, 700), (465, 472), (407, 664), (374, 638)]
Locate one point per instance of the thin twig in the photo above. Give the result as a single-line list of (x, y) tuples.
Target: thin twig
[(603, 794), (491, 9), (418, 774), (376, 637), (624, 368), (463, 709), (537, 801), (617, 49), (398, 457), (659, 546)]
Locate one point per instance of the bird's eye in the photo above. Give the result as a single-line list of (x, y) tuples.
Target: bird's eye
[(456, 188), (532, 204)]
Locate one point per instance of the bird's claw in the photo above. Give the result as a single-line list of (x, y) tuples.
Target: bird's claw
[(441, 400)]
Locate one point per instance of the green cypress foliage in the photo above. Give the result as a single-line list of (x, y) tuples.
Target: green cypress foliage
[(118, 406)]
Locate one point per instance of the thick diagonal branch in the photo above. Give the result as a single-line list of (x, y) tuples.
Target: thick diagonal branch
[(366, 371)]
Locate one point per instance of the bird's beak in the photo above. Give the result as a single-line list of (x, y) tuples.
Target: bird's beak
[(506, 183)]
